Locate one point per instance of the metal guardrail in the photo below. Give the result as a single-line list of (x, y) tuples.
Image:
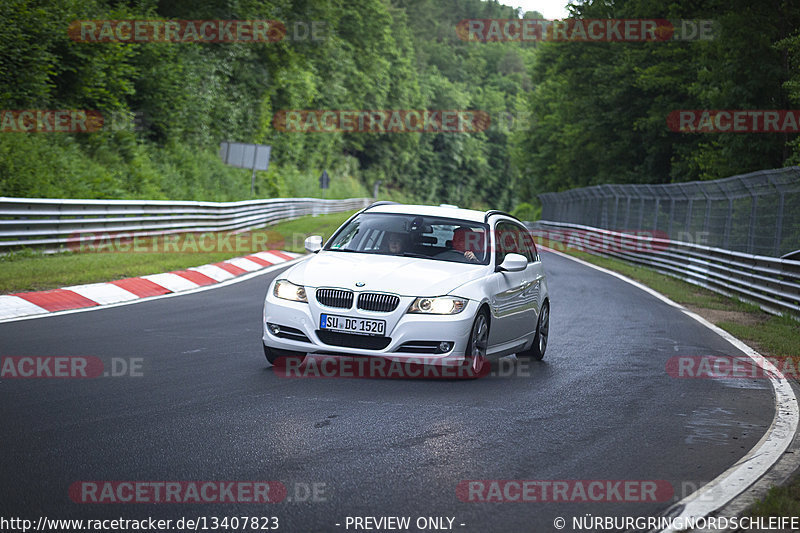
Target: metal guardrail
[(50, 224), (769, 282)]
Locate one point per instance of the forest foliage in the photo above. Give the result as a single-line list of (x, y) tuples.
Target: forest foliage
[(563, 114)]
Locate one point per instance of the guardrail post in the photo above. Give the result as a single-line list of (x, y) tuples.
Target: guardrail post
[(753, 212), (627, 209), (671, 216), (752, 234), (641, 209), (779, 222), (708, 207), (655, 215), (689, 216), (728, 222)]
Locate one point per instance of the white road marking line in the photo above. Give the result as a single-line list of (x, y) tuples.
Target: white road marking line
[(721, 490)]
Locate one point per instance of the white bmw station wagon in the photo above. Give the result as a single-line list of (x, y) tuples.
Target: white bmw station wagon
[(433, 285)]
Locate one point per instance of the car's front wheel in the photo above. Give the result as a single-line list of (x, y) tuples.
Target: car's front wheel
[(542, 332), (279, 358), (475, 358)]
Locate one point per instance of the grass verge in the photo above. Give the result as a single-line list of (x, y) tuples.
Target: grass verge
[(115, 259), (775, 337)]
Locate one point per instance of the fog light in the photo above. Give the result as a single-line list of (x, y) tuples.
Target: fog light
[(444, 347), (274, 328)]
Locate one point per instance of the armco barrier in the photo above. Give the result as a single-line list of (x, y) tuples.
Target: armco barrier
[(49, 224), (771, 283)]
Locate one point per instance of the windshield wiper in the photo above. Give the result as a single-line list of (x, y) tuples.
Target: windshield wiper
[(412, 254)]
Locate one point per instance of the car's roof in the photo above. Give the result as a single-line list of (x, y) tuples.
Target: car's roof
[(430, 210)]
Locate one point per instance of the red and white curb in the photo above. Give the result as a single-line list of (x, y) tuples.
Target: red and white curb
[(23, 304)]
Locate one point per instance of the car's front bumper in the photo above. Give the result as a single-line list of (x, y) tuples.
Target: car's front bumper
[(407, 334)]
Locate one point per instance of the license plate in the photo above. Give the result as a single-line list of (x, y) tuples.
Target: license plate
[(345, 324)]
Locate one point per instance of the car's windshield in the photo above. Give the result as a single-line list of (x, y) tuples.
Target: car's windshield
[(427, 237)]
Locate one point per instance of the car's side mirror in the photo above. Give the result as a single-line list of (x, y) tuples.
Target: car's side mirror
[(513, 263), (314, 243)]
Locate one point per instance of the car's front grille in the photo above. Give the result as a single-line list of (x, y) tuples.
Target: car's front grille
[(335, 298), (348, 340), (373, 301)]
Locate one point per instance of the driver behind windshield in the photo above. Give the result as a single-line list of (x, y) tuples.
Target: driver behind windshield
[(467, 242), (397, 243)]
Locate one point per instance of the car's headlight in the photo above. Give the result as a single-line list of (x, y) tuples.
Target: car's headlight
[(289, 291), (443, 305)]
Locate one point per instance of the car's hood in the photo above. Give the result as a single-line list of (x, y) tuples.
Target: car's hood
[(406, 276)]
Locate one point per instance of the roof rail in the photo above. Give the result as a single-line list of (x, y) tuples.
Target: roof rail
[(492, 212), (382, 202)]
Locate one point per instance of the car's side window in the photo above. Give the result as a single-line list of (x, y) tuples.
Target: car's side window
[(525, 243), (534, 249), (498, 254), (513, 238), (505, 242)]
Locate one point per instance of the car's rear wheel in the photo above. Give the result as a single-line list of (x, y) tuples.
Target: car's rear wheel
[(279, 358), (539, 345), (475, 358)]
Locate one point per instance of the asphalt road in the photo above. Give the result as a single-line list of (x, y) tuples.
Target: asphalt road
[(207, 407)]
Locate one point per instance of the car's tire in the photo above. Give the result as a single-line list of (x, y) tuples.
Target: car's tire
[(475, 362), (279, 358), (539, 345)]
